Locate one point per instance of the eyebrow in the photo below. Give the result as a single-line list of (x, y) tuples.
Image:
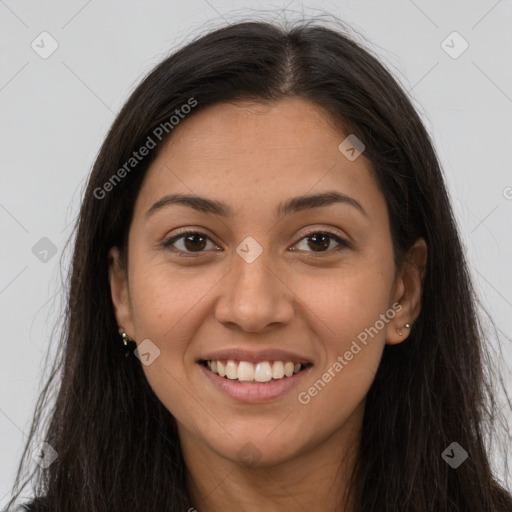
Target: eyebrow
[(293, 205)]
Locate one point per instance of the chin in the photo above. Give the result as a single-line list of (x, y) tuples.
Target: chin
[(257, 449)]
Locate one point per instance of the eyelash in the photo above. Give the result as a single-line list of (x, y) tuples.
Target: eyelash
[(342, 243)]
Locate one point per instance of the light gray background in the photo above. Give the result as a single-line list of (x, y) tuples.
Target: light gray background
[(56, 111)]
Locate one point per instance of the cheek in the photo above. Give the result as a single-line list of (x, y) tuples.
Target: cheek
[(165, 309), (348, 320), (347, 302), (351, 314), (169, 308), (164, 299)]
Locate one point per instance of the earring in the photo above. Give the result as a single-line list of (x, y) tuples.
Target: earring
[(407, 326), (128, 345)]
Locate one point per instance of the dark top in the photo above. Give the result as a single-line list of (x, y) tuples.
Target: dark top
[(26, 507)]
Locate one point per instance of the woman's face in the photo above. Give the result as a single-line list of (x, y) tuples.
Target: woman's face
[(262, 285)]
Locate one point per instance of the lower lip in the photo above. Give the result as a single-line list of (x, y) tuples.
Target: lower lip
[(255, 392)]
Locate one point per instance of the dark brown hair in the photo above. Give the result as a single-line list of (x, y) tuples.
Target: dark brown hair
[(117, 444)]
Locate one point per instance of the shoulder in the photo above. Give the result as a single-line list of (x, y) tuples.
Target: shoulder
[(39, 504)]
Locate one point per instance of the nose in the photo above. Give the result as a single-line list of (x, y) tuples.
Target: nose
[(254, 297)]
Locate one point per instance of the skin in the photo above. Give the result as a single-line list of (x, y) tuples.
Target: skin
[(310, 300)]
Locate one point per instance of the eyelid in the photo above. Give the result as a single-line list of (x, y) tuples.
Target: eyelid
[(341, 240), (188, 230), (308, 231)]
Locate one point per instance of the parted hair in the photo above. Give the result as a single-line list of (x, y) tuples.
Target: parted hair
[(117, 445)]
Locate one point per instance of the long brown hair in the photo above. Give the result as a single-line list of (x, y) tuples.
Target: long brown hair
[(117, 445)]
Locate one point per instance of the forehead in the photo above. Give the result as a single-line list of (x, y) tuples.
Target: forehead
[(286, 129), (250, 154)]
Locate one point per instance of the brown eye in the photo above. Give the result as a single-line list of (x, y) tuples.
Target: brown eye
[(319, 241), (191, 242), (195, 242)]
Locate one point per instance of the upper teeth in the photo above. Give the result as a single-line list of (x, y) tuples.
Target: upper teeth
[(260, 372)]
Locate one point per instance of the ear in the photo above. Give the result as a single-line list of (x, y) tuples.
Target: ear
[(408, 288), (120, 293)]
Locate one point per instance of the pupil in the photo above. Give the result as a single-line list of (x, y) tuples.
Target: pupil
[(325, 240), (189, 238)]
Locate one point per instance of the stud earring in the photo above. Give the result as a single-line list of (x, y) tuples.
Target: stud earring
[(407, 326), (128, 345)]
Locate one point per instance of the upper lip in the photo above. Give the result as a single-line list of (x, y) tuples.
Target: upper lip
[(252, 356)]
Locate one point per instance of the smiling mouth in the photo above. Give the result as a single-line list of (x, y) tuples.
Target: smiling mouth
[(246, 372)]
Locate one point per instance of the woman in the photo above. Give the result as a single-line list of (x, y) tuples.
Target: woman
[(267, 236)]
